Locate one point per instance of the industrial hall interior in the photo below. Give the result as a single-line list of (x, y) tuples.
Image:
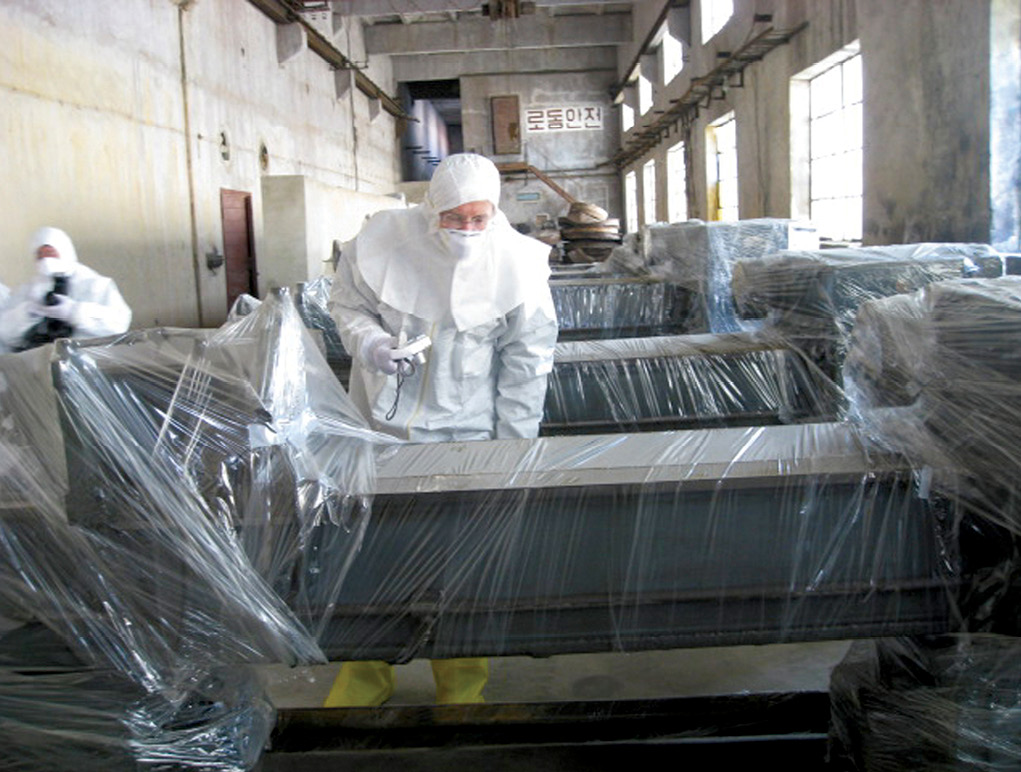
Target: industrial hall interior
[(516, 384)]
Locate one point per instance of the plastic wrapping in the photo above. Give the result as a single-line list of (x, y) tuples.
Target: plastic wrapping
[(655, 540), (167, 496), (935, 375), (948, 703), (176, 504), (700, 258), (102, 722), (312, 299), (812, 297), (616, 306), (692, 381), (243, 306)]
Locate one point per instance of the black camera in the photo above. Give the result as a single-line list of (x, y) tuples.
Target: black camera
[(47, 329), (59, 288)]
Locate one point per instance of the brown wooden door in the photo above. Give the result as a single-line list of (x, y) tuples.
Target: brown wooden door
[(238, 244)]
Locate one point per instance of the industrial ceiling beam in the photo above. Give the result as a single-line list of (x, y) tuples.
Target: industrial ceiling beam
[(392, 7), (451, 66), (480, 34)]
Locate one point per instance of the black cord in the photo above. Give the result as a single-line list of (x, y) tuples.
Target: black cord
[(405, 367)]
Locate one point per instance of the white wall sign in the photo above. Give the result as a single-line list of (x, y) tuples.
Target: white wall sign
[(562, 118)]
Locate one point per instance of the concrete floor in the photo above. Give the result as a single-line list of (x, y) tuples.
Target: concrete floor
[(641, 675)]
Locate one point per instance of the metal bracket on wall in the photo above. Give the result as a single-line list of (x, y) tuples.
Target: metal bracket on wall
[(282, 13), (729, 73)]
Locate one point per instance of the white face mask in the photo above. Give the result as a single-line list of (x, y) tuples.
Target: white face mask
[(461, 243), (53, 266)]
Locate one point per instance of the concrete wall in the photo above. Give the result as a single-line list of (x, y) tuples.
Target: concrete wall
[(927, 101), (116, 116), (926, 70), (577, 161), (302, 218), (544, 60)]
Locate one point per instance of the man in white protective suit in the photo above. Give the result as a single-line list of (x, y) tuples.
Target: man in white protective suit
[(452, 269), (65, 299)]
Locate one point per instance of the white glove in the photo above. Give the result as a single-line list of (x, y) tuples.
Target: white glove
[(32, 310), (63, 309), (379, 354)]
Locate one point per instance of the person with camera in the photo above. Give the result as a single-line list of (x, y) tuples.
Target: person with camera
[(65, 299)]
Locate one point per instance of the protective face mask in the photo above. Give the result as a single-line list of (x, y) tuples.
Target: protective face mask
[(52, 266), (463, 244)]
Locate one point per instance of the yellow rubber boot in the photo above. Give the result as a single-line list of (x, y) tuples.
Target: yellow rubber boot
[(460, 680), (361, 684)]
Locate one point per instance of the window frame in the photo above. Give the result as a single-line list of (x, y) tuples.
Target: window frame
[(677, 184), (718, 169), (649, 197), (808, 163), (631, 200), (715, 15)]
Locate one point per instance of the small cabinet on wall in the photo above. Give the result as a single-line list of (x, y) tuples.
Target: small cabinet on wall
[(506, 117)]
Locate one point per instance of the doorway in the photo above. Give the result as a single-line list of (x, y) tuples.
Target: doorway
[(436, 131), (238, 244)]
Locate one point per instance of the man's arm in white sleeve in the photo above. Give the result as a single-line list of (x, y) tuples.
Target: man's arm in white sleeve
[(17, 318), (525, 359), (353, 306), (102, 311)]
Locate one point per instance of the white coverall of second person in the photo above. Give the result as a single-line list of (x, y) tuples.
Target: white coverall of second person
[(92, 307), (452, 268)]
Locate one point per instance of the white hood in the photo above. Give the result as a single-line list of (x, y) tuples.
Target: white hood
[(66, 263), (405, 259)]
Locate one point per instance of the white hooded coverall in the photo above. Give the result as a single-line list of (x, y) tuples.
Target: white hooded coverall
[(486, 305), (489, 315), (98, 307)]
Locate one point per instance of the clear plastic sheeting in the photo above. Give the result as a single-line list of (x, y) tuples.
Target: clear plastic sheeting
[(691, 381), (626, 258), (176, 504), (948, 703), (610, 306), (312, 298), (812, 297), (94, 721), (700, 258), (936, 375), (643, 541), (243, 306), (177, 500)]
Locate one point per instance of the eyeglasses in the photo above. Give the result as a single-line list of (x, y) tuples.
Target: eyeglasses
[(452, 220)]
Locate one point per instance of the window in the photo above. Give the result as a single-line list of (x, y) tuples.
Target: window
[(649, 192), (677, 184), (715, 14), (627, 116), (672, 51), (835, 151), (631, 201), (722, 143), (644, 91)]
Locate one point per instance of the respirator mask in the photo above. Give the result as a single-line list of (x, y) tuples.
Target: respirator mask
[(462, 243), (53, 266)]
